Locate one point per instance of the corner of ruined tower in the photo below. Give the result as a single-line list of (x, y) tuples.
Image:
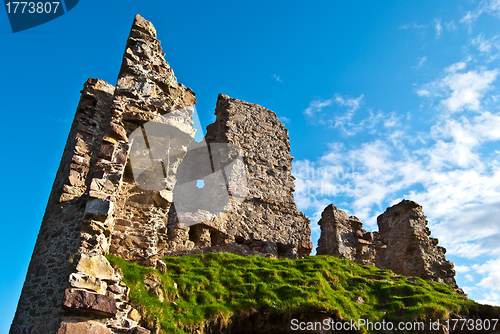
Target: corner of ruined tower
[(70, 287)]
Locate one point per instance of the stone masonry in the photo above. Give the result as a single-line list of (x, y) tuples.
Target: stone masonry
[(101, 205), (402, 243), (267, 221)]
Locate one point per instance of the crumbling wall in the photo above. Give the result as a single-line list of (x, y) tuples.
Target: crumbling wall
[(266, 221), (410, 251), (344, 237), (147, 91), (401, 245)]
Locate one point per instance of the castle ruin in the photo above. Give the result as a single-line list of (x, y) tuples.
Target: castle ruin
[(101, 205), (98, 206)]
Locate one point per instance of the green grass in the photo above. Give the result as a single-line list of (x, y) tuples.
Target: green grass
[(217, 286)]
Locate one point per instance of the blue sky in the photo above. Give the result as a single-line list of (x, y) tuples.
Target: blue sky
[(384, 100)]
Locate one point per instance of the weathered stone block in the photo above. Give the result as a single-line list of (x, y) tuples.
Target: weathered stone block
[(83, 281), (96, 266), (106, 151), (89, 301), (99, 208), (118, 132)]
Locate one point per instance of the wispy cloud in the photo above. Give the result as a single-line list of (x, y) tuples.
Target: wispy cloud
[(316, 107), (487, 46), (277, 77), (438, 27), (421, 61), (284, 119), (351, 104), (458, 91), (491, 7), (343, 113), (482, 44), (450, 26)]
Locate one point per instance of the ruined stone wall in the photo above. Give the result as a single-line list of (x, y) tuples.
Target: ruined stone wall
[(410, 251), (269, 212), (344, 237), (146, 91), (401, 245), (266, 221)]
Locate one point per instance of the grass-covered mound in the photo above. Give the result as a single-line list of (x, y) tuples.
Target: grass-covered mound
[(221, 286)]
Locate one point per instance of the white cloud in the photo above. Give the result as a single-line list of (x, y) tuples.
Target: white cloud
[(284, 119), (277, 77), (342, 113), (351, 104), (423, 92), (438, 27), (491, 271), (483, 45), (469, 19), (316, 107), (491, 298), (456, 67), (462, 269), (460, 91), (469, 278), (491, 7), (467, 89)]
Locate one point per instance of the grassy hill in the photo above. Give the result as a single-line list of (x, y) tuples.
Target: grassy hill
[(222, 292)]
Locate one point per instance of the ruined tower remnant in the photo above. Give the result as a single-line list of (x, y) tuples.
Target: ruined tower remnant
[(402, 243), (267, 220), (342, 236), (102, 204)]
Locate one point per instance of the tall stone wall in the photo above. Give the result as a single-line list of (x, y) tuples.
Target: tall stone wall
[(146, 92), (267, 220), (402, 243)]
